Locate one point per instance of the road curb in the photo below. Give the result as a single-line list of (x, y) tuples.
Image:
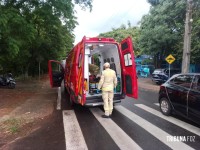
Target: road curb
[(59, 99)]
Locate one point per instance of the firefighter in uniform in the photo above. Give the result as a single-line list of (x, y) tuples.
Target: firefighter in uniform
[(107, 83)]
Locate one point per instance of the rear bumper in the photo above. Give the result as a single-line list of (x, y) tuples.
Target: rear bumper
[(98, 101), (158, 80)]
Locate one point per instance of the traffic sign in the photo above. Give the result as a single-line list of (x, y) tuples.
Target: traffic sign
[(170, 59)]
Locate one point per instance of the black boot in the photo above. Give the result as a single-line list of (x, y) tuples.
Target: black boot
[(105, 116)]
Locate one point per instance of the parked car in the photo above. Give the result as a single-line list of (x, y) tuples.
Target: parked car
[(181, 93), (160, 76)]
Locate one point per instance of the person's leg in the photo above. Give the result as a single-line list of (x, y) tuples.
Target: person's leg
[(110, 101), (105, 100)]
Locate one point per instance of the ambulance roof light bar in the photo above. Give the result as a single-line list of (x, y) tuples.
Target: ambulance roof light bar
[(99, 39)]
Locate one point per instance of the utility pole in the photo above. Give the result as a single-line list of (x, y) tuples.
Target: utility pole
[(187, 38)]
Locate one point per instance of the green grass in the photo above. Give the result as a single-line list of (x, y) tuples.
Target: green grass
[(14, 129), (13, 125)]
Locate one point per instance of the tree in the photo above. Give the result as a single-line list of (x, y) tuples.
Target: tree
[(195, 43), (34, 31), (162, 30), (154, 2), (84, 4), (15, 35), (122, 32)]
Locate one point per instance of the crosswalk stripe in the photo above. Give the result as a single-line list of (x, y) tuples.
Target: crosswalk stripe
[(152, 129), (73, 135), (118, 135), (175, 121)]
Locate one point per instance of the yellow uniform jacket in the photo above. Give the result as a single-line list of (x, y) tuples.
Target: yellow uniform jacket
[(108, 80)]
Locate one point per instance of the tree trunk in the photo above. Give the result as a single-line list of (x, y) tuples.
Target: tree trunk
[(26, 72)]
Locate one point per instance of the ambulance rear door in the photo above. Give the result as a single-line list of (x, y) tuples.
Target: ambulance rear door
[(129, 68), (56, 73)]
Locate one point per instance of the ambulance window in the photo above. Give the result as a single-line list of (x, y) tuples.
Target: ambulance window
[(124, 46), (80, 60), (128, 60)]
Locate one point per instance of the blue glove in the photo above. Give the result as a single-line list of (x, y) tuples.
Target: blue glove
[(98, 91)]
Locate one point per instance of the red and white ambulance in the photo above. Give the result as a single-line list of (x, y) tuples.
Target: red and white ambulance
[(84, 64)]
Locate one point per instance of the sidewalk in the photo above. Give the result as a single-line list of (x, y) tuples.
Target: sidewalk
[(147, 84), (37, 105), (24, 108)]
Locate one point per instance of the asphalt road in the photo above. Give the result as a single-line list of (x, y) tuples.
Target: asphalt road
[(135, 124)]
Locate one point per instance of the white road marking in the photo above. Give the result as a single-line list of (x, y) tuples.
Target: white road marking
[(118, 135), (73, 135), (152, 129), (59, 99), (175, 121), (157, 104)]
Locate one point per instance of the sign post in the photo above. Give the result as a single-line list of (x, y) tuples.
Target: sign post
[(170, 59)]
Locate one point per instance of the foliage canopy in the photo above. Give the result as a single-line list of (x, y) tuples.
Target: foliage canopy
[(34, 31), (123, 32), (162, 30)]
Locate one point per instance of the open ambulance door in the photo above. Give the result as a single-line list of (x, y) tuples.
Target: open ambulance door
[(129, 68), (56, 73)]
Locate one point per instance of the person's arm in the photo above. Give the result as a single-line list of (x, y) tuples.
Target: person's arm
[(115, 81), (101, 81)]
